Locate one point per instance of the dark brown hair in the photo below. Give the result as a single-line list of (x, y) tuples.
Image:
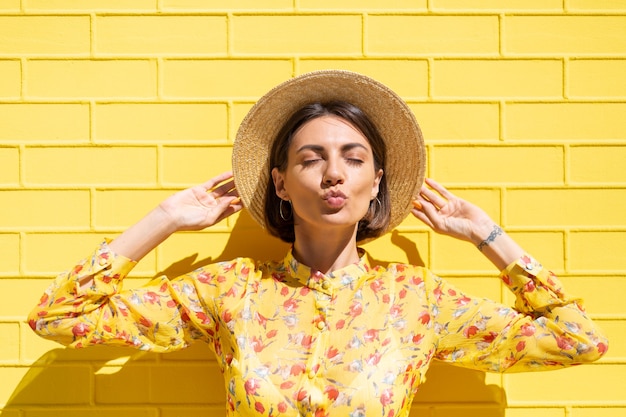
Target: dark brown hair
[(376, 220)]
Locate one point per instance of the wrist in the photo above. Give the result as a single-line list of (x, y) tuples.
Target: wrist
[(481, 231), (493, 235)]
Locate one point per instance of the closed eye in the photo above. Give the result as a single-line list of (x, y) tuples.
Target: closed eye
[(355, 161)]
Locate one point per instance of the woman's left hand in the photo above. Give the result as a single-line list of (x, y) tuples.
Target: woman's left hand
[(450, 215)]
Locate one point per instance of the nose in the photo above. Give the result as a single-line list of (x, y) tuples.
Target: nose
[(333, 174)]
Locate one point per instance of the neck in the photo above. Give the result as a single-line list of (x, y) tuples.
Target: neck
[(325, 251)]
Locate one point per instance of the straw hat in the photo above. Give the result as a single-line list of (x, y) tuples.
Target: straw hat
[(394, 120)]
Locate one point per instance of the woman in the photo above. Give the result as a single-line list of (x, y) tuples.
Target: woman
[(324, 161)]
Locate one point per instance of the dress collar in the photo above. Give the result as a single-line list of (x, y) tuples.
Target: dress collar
[(328, 283)]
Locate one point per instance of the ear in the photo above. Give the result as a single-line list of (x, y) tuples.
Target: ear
[(279, 184), (375, 187)]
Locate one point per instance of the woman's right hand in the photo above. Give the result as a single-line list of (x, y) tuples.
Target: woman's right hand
[(192, 209), (203, 205)]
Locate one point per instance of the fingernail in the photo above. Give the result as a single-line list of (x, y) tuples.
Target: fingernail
[(417, 204), (235, 201)]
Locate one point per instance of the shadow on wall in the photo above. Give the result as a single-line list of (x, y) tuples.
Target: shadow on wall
[(105, 381)]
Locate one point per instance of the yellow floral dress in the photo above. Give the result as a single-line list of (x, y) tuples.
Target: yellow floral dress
[(292, 341)]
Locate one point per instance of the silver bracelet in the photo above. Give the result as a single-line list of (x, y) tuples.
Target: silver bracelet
[(497, 231)]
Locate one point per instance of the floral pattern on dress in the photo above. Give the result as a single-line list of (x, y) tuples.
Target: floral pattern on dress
[(293, 341)]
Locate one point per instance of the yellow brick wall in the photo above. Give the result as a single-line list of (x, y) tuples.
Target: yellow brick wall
[(108, 106)]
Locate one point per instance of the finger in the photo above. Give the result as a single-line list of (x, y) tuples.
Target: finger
[(439, 188), (231, 208), (210, 184), (422, 217), (434, 198), (223, 189)]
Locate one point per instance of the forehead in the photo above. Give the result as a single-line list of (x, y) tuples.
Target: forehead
[(329, 129)]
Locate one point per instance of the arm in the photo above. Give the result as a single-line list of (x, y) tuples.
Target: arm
[(86, 305), (195, 208), (546, 328)]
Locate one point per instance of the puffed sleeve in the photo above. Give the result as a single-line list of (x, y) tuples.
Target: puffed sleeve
[(546, 329), (163, 315)]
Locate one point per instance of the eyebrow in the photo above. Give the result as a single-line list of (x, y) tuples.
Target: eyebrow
[(319, 148)]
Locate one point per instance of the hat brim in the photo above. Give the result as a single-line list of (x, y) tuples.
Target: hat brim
[(406, 160)]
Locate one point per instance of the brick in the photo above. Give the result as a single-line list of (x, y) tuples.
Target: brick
[(10, 163), (45, 386), (90, 165), (129, 386), (608, 300), (458, 121), (407, 77), (160, 122), (10, 412), (604, 411), (406, 247), (184, 252), (432, 35), (174, 35), (564, 35), (178, 411), (118, 209), (19, 296), (91, 78), (205, 387), (465, 260), (497, 78), (547, 247), (566, 207), (10, 5), (297, 34), (237, 114), (10, 377), (386, 5), (89, 5), (597, 164), (44, 209), (9, 342), (228, 5), (596, 78), (48, 254), (198, 351), (10, 250), (597, 251), (602, 384), (535, 412), (456, 386), (94, 411), (564, 121), (499, 5), (49, 35), (595, 5), (467, 409), (498, 164), (189, 166), (10, 78), (44, 122), (223, 78)]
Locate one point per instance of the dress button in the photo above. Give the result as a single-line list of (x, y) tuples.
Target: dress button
[(326, 285), (312, 374), (321, 325), (102, 261)]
